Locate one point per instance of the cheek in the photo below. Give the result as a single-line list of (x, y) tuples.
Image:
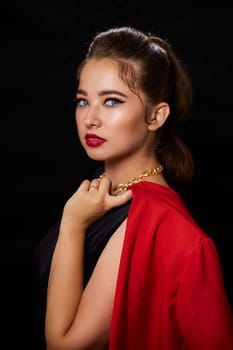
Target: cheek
[(80, 130), (78, 122), (130, 135), (126, 118), (135, 126)]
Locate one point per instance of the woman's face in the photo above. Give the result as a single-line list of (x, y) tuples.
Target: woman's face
[(110, 117)]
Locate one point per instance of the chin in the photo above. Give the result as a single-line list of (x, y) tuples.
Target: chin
[(95, 157)]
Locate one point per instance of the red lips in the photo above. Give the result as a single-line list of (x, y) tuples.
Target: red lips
[(93, 140)]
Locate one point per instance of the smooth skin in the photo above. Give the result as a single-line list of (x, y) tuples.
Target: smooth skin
[(77, 318), (107, 107)]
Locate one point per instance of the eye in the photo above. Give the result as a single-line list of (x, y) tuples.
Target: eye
[(111, 102), (80, 102)]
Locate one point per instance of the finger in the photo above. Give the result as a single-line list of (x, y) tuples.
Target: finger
[(121, 199), (125, 196), (85, 184), (105, 184), (94, 184)]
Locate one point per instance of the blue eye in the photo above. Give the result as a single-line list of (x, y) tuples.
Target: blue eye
[(112, 102), (81, 102)]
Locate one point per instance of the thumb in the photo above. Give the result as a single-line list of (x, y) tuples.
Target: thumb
[(123, 198)]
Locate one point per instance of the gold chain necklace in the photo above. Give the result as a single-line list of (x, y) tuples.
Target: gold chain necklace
[(123, 186)]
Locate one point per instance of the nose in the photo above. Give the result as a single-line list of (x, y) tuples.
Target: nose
[(92, 119)]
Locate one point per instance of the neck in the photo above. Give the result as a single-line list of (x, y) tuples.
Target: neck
[(123, 171), (124, 176)]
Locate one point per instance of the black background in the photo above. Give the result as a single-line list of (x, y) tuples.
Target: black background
[(42, 162)]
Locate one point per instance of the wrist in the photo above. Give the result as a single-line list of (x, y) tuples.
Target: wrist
[(70, 226)]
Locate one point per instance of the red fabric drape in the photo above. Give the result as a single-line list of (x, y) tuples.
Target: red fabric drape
[(170, 292)]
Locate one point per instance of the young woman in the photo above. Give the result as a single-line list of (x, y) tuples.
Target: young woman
[(131, 269)]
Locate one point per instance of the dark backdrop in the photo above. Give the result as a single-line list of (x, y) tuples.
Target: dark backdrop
[(41, 159)]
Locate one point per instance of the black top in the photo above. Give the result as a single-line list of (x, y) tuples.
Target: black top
[(97, 236)]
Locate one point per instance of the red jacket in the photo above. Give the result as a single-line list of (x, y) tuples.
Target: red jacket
[(170, 291)]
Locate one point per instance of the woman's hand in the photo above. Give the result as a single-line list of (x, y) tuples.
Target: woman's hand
[(91, 201)]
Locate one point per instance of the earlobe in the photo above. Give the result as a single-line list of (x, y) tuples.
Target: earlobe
[(159, 116)]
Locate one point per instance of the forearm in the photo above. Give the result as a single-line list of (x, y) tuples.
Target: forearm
[(70, 323), (65, 282)]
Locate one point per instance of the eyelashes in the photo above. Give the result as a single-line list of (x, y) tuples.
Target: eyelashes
[(80, 102), (109, 102)]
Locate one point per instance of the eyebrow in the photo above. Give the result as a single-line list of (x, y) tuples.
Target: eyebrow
[(103, 93)]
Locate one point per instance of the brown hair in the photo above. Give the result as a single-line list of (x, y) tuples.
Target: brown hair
[(163, 78)]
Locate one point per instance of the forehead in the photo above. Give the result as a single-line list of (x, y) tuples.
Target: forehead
[(107, 73), (100, 71)]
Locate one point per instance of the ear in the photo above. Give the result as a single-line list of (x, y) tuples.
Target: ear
[(158, 116)]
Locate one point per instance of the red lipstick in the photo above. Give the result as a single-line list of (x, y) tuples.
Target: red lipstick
[(93, 140)]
